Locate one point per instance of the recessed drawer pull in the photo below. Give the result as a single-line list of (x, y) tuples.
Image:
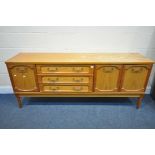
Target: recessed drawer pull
[(53, 80), (52, 69), (77, 80), (77, 69), (135, 70), (77, 88), (109, 70)]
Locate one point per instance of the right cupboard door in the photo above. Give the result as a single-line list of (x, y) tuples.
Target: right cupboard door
[(135, 77)]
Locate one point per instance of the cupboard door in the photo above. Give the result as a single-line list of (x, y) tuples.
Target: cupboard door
[(23, 78), (107, 78), (135, 77)]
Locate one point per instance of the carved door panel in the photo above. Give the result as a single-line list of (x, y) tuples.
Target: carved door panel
[(135, 77), (23, 77), (107, 78)]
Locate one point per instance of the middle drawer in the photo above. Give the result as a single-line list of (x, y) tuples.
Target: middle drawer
[(65, 79)]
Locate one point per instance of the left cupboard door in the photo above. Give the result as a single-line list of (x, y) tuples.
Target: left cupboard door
[(23, 77)]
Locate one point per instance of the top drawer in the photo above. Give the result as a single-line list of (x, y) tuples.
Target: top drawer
[(60, 69)]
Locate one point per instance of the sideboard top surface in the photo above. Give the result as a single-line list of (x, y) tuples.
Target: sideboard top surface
[(80, 58)]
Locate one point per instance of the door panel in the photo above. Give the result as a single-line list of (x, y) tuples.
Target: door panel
[(135, 77), (107, 77), (23, 77)]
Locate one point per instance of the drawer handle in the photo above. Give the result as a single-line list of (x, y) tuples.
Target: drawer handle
[(77, 88), (77, 69), (53, 80), (108, 70), (134, 70), (52, 69), (77, 80), (54, 89)]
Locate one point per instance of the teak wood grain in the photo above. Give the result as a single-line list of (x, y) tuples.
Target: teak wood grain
[(80, 58), (79, 75), (65, 88), (135, 77), (107, 77), (64, 69), (64, 79)]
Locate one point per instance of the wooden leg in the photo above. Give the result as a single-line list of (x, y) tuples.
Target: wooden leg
[(19, 101), (139, 101)]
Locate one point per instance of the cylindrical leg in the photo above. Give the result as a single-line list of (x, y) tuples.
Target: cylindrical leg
[(19, 101), (139, 102)]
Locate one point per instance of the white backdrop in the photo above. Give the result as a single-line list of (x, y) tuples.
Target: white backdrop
[(73, 39)]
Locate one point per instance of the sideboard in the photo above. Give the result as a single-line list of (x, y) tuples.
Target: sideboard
[(79, 75)]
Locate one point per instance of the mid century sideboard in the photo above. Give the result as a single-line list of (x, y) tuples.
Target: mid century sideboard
[(79, 75)]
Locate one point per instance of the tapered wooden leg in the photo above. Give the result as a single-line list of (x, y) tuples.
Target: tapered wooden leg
[(139, 102), (20, 105)]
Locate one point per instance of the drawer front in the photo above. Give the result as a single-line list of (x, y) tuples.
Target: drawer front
[(64, 79), (47, 88), (53, 69)]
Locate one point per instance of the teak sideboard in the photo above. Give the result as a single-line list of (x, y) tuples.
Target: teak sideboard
[(79, 75)]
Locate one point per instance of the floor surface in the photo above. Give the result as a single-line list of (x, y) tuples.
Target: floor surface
[(76, 113)]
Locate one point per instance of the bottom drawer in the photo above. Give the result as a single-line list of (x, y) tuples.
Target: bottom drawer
[(47, 88)]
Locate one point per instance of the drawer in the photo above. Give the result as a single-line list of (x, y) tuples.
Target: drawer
[(64, 88), (54, 69), (64, 79)]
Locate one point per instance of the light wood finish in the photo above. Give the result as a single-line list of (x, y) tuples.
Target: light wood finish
[(135, 77), (79, 75), (77, 95), (107, 77), (87, 93), (19, 99), (139, 101), (57, 69), (64, 88), (23, 77), (80, 58), (64, 79)]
